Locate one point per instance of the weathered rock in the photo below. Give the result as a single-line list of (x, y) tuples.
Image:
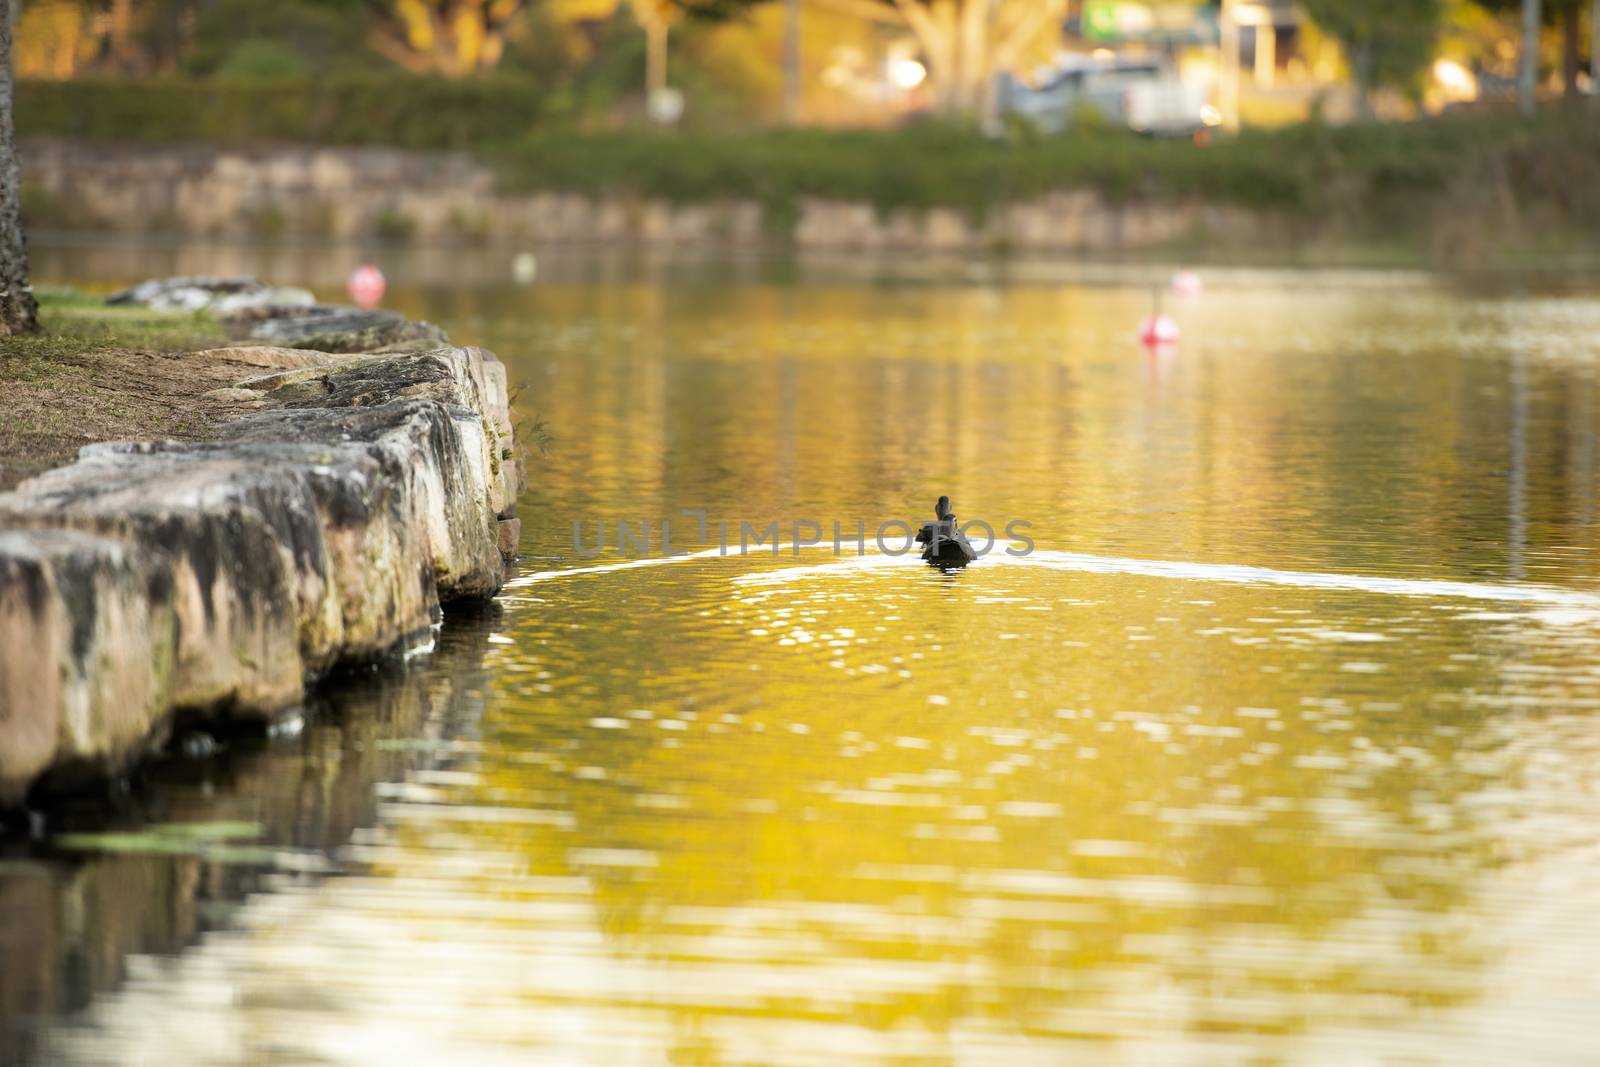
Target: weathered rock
[(224, 296), (326, 529), (443, 495), (232, 583), (281, 324), (176, 292), (242, 320), (510, 536), (363, 380), (329, 328), (268, 357), (233, 304), (370, 338), (88, 637), (234, 395), (463, 377)]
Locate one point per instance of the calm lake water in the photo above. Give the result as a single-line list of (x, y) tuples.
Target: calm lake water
[(1282, 747)]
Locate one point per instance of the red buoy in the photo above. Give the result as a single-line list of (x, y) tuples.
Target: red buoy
[(1159, 330), (366, 286)]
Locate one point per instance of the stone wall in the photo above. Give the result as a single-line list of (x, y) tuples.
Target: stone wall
[(365, 193), (223, 578)]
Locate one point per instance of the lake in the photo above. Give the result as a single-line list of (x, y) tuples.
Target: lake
[(1280, 746)]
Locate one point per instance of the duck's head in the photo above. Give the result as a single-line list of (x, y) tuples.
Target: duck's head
[(943, 508)]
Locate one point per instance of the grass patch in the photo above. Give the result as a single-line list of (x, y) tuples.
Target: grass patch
[(92, 323), (101, 373)]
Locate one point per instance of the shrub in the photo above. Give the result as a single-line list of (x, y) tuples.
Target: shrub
[(401, 111), (256, 61)]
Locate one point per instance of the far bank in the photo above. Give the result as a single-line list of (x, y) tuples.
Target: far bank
[(1464, 191)]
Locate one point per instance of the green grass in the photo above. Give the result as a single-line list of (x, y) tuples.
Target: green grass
[(77, 321), (1304, 169), (98, 374), (78, 324), (918, 167)]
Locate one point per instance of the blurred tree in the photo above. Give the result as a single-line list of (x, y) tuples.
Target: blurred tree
[(457, 37), (246, 39), (55, 38), (965, 42), (793, 19), (448, 37), (656, 18), (65, 38), (19, 313), (257, 39), (124, 52), (1389, 43), (1568, 14)]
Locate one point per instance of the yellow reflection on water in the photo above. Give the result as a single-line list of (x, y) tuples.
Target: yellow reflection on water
[(805, 811)]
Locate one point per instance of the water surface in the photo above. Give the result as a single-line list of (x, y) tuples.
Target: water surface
[(1279, 748)]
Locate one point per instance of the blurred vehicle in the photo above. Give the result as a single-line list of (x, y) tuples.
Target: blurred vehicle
[(1142, 93)]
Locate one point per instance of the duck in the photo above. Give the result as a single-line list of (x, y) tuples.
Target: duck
[(944, 544)]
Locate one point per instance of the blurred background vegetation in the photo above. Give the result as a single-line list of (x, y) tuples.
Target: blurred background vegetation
[(741, 63), (777, 99)]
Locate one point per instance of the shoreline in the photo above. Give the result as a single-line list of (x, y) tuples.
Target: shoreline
[(758, 205), (101, 259), (370, 477)]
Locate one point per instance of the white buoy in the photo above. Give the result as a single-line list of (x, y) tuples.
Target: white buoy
[(1187, 283)]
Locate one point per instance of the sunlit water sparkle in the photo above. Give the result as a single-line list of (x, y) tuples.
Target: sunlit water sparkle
[(1279, 748)]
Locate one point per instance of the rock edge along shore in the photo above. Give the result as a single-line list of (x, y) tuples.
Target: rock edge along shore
[(374, 479)]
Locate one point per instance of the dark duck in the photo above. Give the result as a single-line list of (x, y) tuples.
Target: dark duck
[(944, 545)]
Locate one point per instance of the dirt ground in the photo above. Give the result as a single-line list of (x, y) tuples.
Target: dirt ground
[(58, 394)]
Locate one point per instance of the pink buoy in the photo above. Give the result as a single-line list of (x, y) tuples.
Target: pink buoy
[(1159, 330), (1186, 283), (366, 286)]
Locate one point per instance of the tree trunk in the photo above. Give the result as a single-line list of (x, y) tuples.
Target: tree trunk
[(124, 52), (973, 33), (791, 61), (18, 311), (1594, 48), (1228, 66), (965, 43), (948, 94), (1528, 69), (1571, 47), (937, 38), (655, 57), (1361, 74)]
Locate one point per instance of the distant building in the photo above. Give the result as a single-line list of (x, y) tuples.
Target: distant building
[(1282, 63), (1270, 33)]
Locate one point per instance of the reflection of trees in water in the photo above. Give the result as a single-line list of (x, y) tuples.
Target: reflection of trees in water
[(68, 923), (1347, 428), (1315, 860), (1310, 861), (1316, 867)]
